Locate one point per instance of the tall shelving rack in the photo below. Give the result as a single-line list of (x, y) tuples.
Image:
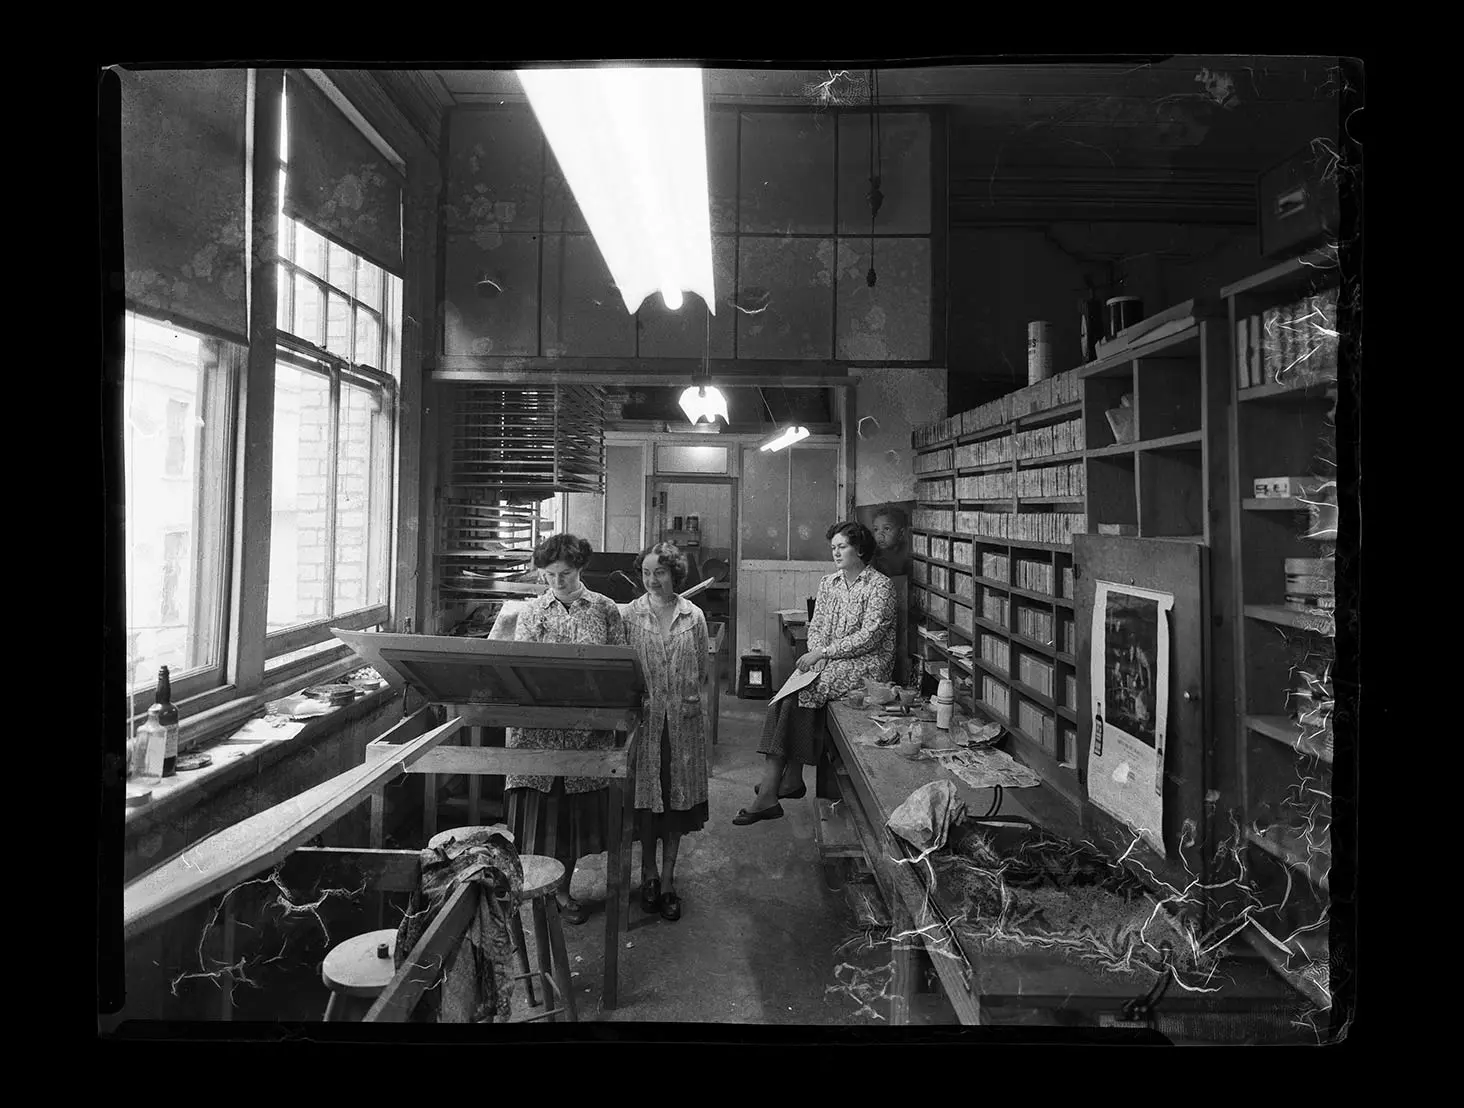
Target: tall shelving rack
[(1282, 428), (984, 590)]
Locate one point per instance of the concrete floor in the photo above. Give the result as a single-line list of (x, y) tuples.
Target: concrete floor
[(761, 939)]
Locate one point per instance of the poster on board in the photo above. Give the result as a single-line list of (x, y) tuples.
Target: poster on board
[(1130, 681)]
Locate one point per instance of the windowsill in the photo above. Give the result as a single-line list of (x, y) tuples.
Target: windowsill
[(242, 745)]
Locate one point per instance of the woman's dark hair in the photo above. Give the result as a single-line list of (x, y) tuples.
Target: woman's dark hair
[(860, 537), (671, 557), (895, 515), (562, 548)]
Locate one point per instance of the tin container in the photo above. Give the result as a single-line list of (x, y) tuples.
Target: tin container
[(1039, 351), (1123, 311)]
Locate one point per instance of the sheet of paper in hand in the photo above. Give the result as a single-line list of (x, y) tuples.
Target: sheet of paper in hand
[(801, 679)]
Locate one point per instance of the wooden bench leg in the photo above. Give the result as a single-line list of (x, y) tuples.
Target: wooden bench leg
[(562, 984), (904, 961), (226, 1005), (475, 781)]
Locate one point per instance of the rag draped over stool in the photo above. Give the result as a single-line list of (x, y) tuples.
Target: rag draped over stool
[(477, 978)]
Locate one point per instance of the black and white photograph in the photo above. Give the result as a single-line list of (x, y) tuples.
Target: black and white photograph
[(712, 550), (1131, 657)]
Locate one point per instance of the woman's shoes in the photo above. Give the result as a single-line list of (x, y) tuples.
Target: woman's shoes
[(799, 795), (651, 896), (572, 911), (744, 817), (671, 907)]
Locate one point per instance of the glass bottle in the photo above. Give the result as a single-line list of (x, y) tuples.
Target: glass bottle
[(152, 739), (168, 717)]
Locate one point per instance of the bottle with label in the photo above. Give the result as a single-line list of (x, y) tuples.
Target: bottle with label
[(152, 739), (944, 704), (168, 717)]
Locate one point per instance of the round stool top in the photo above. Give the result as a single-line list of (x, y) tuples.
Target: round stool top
[(541, 874), (442, 838), (358, 966)]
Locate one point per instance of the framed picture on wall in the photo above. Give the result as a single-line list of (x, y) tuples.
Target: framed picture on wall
[(890, 523)]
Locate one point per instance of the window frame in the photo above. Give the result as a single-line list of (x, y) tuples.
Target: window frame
[(222, 370), (299, 354), (242, 677)]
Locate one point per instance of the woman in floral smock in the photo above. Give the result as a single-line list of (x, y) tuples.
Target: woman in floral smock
[(851, 637), (669, 634), (562, 817)]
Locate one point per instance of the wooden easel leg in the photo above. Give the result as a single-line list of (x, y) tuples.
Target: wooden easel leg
[(541, 941), (619, 842)]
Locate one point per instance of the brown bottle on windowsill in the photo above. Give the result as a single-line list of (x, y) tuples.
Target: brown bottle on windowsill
[(168, 717)]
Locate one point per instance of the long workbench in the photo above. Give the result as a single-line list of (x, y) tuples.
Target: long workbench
[(873, 782)]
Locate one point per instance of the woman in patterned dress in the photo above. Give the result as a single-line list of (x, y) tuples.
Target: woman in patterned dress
[(669, 634), (851, 637), (562, 817)]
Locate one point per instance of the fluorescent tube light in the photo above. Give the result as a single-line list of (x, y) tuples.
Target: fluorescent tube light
[(787, 438), (633, 145)]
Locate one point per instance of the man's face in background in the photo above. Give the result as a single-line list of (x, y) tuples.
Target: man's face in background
[(886, 533)]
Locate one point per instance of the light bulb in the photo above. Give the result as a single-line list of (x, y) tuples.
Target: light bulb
[(672, 298)]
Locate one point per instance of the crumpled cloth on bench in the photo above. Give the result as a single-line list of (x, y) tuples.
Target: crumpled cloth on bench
[(926, 817), (477, 976)]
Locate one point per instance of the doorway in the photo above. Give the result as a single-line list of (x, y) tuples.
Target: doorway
[(699, 515)]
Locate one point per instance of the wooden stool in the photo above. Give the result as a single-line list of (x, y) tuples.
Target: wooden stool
[(515, 922), (355, 971), (442, 838), (541, 878)]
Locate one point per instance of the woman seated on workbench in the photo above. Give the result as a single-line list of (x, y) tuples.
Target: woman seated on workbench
[(851, 637), (564, 817), (669, 633)]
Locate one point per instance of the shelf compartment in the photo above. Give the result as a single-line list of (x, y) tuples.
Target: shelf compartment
[(1293, 854), (1033, 645), (1171, 492), (1289, 733), (1045, 597), (1168, 398), (1112, 492)]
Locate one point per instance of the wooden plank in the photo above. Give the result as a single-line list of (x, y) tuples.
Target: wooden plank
[(386, 871), (514, 715), (421, 969), (450, 760), (217, 863)]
